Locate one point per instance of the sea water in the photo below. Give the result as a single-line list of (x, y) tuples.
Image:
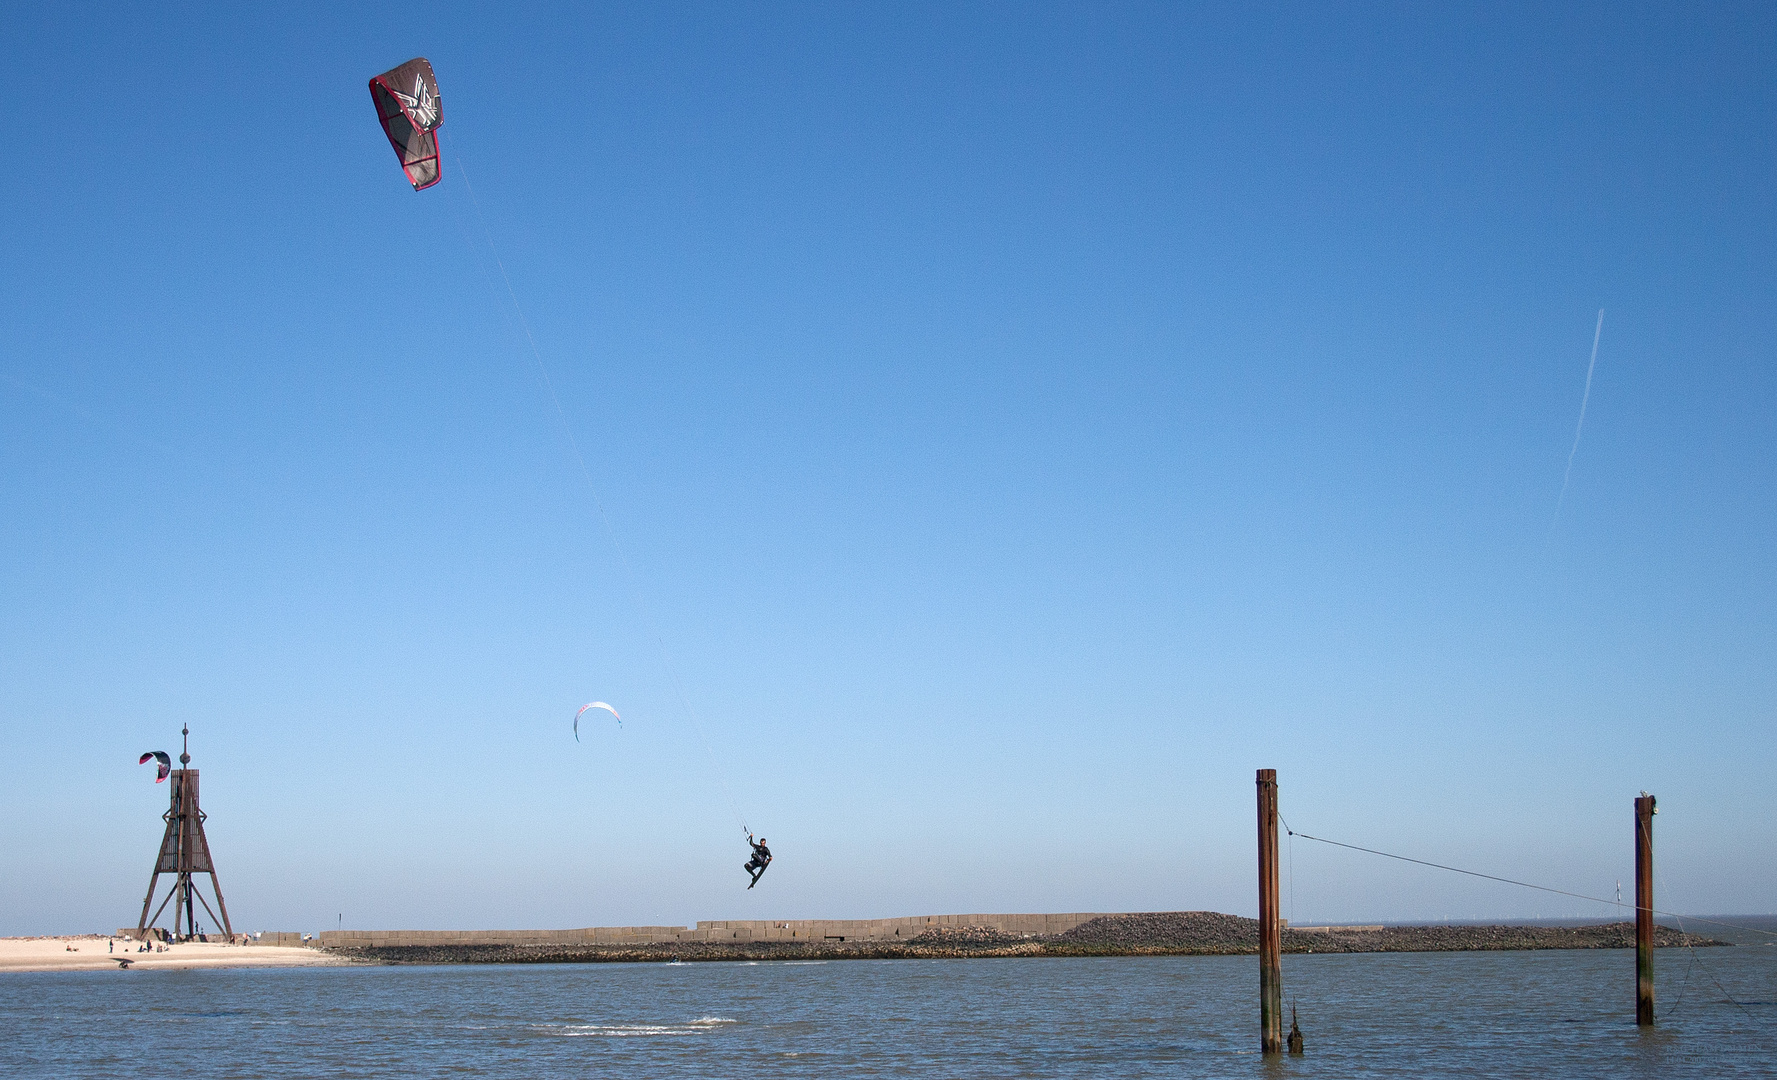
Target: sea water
[(1500, 1014)]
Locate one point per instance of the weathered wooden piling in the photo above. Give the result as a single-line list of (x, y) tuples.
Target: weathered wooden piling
[(1270, 933), (1644, 910)]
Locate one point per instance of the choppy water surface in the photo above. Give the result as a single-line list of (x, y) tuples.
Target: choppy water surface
[(1477, 1014)]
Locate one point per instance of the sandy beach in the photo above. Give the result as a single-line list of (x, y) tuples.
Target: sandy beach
[(87, 952)]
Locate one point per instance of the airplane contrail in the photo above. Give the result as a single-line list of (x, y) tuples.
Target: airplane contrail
[(1580, 427)]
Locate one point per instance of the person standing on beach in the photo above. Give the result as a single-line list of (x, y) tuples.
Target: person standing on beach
[(761, 858)]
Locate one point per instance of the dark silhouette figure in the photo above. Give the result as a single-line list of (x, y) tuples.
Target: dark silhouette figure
[(760, 860)]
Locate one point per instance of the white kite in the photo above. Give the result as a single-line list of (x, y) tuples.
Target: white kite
[(593, 705)]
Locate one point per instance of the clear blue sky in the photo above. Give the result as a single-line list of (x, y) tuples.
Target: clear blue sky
[(1022, 424)]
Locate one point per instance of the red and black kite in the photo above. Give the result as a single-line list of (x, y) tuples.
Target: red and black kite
[(165, 761), (408, 105)]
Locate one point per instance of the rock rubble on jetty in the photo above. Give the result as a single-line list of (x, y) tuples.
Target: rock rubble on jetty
[(968, 935), (1212, 932), (1162, 933)]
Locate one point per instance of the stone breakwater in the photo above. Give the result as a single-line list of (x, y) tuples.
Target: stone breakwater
[(1212, 932), (1166, 933)]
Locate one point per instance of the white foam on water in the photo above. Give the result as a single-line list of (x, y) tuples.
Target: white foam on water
[(619, 1031), (630, 1031)]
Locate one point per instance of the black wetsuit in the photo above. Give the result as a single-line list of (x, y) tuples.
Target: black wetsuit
[(756, 865)]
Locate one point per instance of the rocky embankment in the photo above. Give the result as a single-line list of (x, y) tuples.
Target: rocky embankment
[(1198, 932), (1161, 933)]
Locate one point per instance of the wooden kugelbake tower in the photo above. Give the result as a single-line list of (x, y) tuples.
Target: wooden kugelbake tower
[(184, 853)]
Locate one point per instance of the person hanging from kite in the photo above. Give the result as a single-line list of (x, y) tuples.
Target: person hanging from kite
[(760, 860)]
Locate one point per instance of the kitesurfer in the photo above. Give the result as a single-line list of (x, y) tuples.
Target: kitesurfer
[(760, 860)]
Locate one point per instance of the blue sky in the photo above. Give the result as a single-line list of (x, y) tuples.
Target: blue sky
[(1019, 424)]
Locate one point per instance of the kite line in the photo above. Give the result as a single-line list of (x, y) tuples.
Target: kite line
[(1579, 428), (634, 579)]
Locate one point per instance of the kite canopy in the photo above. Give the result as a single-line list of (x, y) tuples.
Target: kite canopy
[(408, 105), (593, 705), (166, 763)]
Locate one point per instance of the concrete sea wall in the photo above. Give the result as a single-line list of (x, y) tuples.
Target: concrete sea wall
[(721, 930)]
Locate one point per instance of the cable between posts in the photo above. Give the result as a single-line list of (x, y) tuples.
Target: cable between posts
[(1522, 884)]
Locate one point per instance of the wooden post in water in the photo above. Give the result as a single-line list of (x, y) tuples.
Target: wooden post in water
[(1644, 910), (1270, 933)]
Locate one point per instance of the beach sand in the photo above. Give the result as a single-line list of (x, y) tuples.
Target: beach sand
[(53, 954)]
